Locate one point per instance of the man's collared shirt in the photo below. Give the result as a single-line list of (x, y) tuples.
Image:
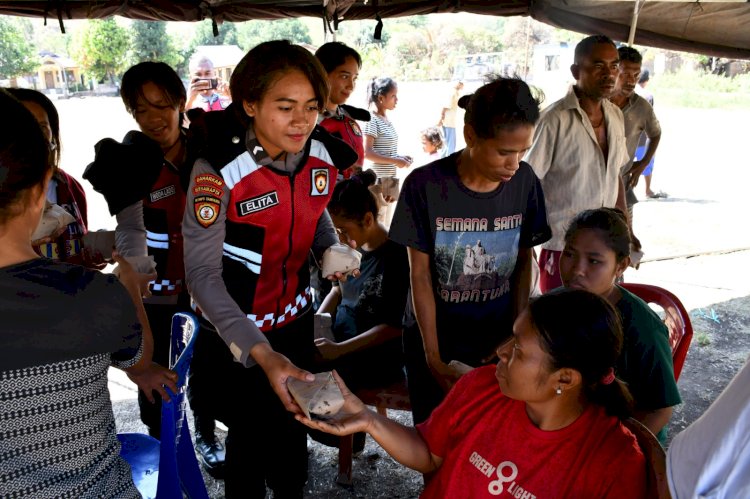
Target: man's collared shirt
[(566, 157), (639, 118)]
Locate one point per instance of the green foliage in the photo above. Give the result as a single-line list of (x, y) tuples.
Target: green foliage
[(17, 55), (421, 47), (703, 339), (101, 48), (151, 42), (691, 89), (519, 38), (204, 35), (49, 39), (251, 33)]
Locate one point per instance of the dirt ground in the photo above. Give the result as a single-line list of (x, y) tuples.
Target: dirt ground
[(694, 243), (718, 351)]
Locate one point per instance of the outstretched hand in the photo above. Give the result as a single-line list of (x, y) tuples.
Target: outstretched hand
[(445, 374), (278, 370), (136, 283), (353, 417), (155, 378)]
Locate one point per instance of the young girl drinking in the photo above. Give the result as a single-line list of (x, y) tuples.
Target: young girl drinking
[(597, 252), (368, 310), (255, 209), (546, 422)]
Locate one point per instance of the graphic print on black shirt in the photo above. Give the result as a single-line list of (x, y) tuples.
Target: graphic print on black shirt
[(475, 259)]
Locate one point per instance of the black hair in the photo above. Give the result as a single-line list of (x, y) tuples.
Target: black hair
[(158, 73), (585, 46), (264, 64), (581, 330), (352, 198), (377, 87), (611, 224), (333, 54), (24, 155), (434, 136), (29, 95), (645, 76), (629, 54), (501, 104)]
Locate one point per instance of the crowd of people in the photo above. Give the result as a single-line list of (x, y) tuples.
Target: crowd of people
[(234, 189)]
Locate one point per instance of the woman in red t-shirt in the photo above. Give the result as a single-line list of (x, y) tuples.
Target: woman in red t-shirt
[(544, 423)]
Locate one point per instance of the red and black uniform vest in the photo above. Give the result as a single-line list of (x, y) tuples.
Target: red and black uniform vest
[(163, 209), (71, 197), (270, 226), (343, 126)]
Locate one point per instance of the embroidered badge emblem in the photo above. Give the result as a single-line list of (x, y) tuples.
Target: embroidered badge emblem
[(319, 182), (207, 210)]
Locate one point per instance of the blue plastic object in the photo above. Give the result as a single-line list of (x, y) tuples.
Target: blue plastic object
[(168, 469)]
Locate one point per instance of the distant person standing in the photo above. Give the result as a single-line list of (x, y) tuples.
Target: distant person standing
[(640, 120), (579, 149), (381, 145), (207, 91), (448, 119), (644, 143)]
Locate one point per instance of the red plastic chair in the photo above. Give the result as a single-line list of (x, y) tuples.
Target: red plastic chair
[(657, 486), (676, 319)]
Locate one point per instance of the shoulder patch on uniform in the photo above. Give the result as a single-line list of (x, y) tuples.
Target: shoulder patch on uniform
[(209, 179), (355, 128), (207, 209), (319, 182)]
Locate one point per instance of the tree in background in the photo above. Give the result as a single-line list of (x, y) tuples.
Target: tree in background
[(17, 55), (204, 35), (101, 49), (251, 33), (48, 39), (421, 47), (519, 38), (151, 42)]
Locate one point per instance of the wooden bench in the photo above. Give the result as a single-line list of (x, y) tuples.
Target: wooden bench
[(395, 396)]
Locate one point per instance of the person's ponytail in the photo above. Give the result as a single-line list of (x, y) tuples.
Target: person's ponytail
[(581, 331), (377, 87), (614, 397)]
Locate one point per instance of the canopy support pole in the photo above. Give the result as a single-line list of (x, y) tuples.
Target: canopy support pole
[(634, 22)]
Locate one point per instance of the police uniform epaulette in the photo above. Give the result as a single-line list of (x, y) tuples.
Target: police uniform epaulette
[(216, 136), (342, 155), (124, 172), (356, 112)]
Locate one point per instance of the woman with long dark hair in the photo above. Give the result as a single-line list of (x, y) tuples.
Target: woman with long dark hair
[(545, 422), (63, 326)]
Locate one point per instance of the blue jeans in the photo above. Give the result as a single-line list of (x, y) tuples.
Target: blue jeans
[(450, 140)]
